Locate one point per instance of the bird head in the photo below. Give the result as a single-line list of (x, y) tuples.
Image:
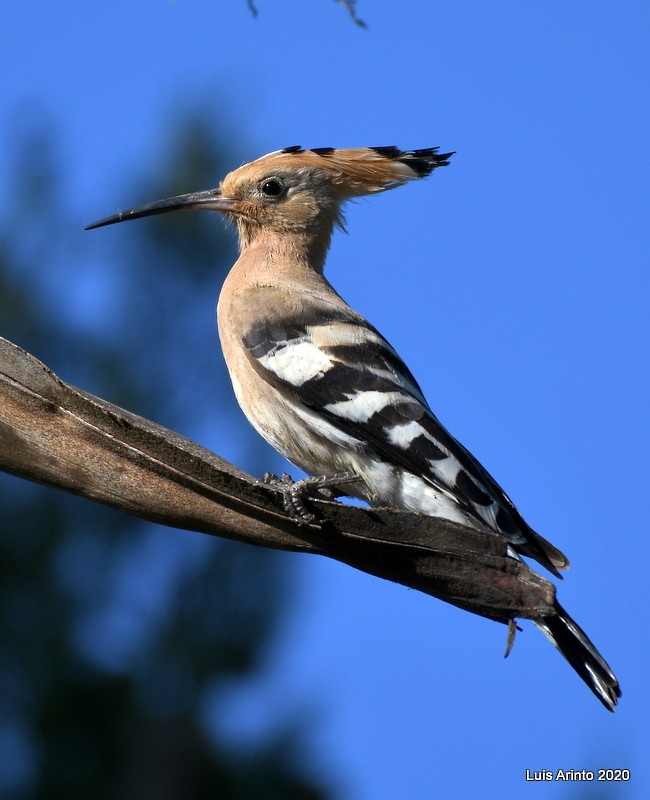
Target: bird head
[(297, 190)]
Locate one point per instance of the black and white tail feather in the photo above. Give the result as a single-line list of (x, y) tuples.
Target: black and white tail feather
[(578, 649)]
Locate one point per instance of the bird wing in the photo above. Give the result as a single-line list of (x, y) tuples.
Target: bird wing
[(342, 368)]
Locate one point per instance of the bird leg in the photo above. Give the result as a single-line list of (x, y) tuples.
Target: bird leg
[(294, 493)]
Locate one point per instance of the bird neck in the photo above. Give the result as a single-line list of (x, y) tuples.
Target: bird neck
[(292, 251)]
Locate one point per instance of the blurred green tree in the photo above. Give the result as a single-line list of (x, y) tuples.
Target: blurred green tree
[(119, 640)]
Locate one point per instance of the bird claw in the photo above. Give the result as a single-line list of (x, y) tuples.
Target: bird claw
[(294, 493)]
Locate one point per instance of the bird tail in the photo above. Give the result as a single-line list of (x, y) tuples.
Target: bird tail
[(580, 652)]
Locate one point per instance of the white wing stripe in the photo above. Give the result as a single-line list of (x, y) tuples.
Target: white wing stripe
[(360, 406), (297, 362), (403, 435)]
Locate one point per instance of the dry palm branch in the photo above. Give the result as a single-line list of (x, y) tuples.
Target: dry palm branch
[(56, 434)]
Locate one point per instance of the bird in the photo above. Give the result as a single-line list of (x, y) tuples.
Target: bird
[(324, 387)]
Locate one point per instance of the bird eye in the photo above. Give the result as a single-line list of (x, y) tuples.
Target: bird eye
[(272, 187)]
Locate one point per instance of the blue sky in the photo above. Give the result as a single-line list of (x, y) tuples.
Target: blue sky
[(515, 284)]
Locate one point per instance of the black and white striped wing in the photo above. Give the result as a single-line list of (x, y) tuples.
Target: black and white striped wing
[(343, 369)]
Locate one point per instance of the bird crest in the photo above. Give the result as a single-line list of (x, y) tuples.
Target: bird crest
[(357, 171)]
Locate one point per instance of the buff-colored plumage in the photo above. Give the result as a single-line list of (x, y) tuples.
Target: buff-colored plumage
[(321, 180), (354, 171)]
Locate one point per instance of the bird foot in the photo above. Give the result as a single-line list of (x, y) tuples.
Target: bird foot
[(294, 493)]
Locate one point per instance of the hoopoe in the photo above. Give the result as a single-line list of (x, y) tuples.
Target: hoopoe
[(323, 386)]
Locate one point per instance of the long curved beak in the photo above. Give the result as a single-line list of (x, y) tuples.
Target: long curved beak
[(209, 200)]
